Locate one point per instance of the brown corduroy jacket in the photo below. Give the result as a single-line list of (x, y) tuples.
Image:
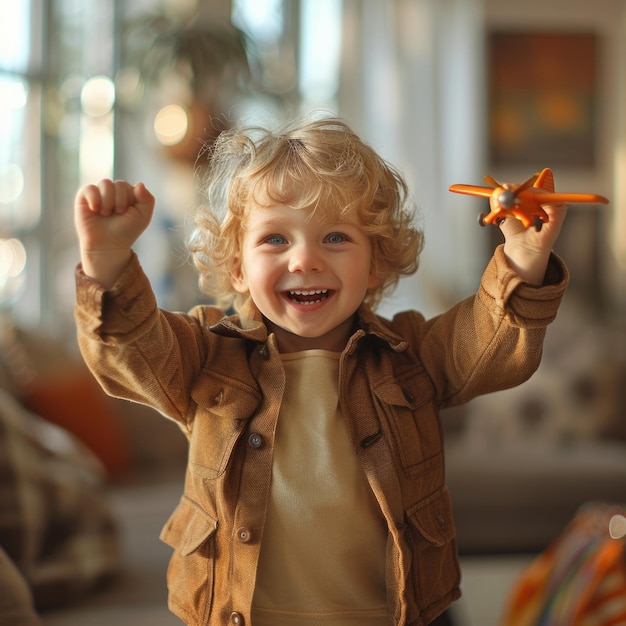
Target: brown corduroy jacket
[(222, 380)]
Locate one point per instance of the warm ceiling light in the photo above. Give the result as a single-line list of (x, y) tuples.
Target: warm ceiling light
[(171, 124), (97, 96)]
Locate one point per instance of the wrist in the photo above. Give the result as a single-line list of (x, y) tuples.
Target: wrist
[(105, 266), (529, 265)]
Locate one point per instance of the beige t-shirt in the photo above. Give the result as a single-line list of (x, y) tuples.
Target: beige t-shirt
[(323, 553)]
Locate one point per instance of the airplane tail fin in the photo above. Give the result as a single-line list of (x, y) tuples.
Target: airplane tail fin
[(545, 180)]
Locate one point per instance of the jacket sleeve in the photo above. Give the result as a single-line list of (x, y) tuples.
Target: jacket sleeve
[(134, 349), (492, 340)]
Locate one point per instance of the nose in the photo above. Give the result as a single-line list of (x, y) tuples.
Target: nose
[(305, 257)]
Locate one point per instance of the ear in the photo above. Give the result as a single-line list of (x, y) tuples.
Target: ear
[(374, 280), (238, 278)]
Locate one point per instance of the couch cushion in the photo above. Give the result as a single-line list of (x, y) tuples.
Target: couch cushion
[(519, 497), (56, 524)]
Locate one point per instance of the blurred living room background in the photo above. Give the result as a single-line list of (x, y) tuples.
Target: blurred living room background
[(446, 90)]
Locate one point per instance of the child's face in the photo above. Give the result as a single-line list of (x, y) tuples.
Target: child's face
[(306, 275)]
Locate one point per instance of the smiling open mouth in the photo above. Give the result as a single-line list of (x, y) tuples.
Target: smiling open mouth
[(308, 297)]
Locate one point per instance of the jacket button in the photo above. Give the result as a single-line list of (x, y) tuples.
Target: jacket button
[(410, 398), (244, 535), (264, 351), (236, 618), (255, 441)]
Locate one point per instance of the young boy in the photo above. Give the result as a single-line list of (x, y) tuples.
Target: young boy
[(315, 489)]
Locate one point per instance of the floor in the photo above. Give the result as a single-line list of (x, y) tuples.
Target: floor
[(486, 583), (138, 597)]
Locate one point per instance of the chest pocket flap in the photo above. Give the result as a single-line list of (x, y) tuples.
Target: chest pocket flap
[(408, 404), (224, 406)]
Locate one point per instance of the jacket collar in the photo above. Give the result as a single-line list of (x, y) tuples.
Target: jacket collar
[(248, 324), (368, 323)]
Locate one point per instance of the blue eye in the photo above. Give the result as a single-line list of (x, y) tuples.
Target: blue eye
[(336, 238), (275, 239)]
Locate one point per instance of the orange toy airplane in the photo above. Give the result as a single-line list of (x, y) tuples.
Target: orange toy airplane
[(524, 201)]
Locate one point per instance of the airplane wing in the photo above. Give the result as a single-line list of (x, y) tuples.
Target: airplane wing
[(567, 198), (472, 190)]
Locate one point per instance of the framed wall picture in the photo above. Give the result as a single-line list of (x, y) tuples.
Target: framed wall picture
[(542, 98)]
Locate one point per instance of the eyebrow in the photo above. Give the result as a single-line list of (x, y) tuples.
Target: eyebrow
[(272, 222)]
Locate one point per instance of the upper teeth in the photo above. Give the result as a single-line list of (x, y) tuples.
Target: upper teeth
[(315, 292)]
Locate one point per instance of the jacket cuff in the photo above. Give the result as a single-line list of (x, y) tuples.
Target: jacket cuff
[(111, 314), (530, 305)]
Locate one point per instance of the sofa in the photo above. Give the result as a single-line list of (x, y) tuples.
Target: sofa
[(521, 462), (86, 482)]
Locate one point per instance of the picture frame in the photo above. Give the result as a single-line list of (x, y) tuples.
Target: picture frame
[(543, 90)]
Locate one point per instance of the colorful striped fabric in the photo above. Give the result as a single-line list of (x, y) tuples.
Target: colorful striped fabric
[(579, 580)]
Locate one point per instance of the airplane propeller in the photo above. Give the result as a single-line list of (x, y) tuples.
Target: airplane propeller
[(507, 197)]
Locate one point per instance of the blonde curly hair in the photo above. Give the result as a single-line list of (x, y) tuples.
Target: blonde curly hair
[(320, 164)]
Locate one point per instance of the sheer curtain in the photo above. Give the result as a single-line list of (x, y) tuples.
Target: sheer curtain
[(616, 280), (412, 85)]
